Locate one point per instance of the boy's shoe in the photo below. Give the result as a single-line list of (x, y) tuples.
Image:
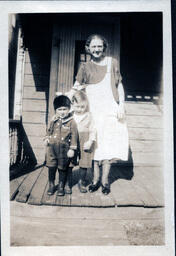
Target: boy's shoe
[(106, 189), (82, 187), (51, 188), (60, 190), (68, 184), (93, 187)]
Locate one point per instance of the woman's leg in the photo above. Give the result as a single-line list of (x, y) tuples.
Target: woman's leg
[(105, 177), (51, 178), (82, 180), (96, 177)]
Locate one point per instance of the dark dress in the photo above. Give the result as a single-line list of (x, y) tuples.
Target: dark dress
[(86, 131)]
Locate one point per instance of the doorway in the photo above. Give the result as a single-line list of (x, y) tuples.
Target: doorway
[(141, 53)]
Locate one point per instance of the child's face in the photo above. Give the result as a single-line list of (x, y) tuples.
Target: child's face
[(96, 48), (62, 112), (80, 108)]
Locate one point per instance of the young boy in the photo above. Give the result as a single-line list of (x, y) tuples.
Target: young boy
[(61, 141)]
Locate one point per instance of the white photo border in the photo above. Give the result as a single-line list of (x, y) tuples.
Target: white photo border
[(163, 6)]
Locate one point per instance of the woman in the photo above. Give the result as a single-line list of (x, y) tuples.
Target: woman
[(101, 79)]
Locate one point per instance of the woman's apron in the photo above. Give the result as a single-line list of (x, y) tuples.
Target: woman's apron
[(112, 134)]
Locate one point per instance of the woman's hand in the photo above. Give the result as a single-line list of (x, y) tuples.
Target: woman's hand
[(70, 153), (87, 145), (70, 94), (121, 111), (46, 142)]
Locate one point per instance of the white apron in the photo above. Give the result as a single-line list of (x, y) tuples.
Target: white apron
[(112, 134)]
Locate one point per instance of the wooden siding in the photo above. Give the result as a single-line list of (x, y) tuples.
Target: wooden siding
[(36, 90), (145, 127), (68, 34)]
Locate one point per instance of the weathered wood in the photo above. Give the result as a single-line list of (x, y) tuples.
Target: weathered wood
[(143, 194), (35, 129), (146, 146), (145, 121), (34, 117), (31, 92), (27, 185), (36, 54), (15, 184), (77, 198), (96, 199), (124, 194), (40, 151), (34, 105), (67, 232), (63, 200), (38, 80), (54, 69), (36, 68), (137, 108), (153, 179), (17, 106), (145, 188), (36, 141), (38, 189), (147, 159), (145, 133)]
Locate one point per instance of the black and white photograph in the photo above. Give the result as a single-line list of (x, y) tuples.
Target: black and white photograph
[(88, 128)]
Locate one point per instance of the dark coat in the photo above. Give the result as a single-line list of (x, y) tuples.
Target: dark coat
[(62, 135)]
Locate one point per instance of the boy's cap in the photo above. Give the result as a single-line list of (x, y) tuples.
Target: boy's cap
[(61, 101)]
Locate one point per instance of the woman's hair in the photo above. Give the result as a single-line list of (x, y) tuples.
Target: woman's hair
[(79, 97), (94, 36)]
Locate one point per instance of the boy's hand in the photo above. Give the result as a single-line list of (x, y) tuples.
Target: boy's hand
[(46, 142), (87, 145), (70, 153)]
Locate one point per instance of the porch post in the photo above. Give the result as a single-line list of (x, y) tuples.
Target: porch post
[(53, 69), (19, 77)]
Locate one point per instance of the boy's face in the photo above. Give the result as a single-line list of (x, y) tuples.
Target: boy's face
[(96, 48), (79, 108), (62, 112)]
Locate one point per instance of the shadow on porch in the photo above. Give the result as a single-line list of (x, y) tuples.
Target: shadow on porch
[(144, 189)]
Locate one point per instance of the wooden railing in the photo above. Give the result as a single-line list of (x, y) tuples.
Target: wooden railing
[(14, 142), (21, 155)]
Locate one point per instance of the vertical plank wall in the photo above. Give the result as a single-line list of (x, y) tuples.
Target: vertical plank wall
[(68, 34), (35, 90)]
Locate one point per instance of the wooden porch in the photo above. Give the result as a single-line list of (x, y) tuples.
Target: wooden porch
[(144, 189), (49, 65), (139, 182)]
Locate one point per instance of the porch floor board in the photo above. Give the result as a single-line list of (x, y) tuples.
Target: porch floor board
[(37, 192), (143, 187), (14, 186), (27, 186)]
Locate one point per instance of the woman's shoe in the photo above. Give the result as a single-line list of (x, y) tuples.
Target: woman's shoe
[(93, 187), (106, 189), (82, 187)]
